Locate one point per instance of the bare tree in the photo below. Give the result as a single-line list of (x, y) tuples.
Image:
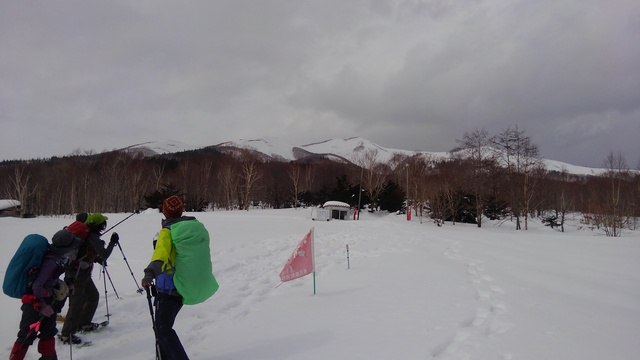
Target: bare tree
[(617, 174), (250, 174), (453, 173), (417, 172), (79, 178), (158, 171), (227, 178), (533, 172), (562, 203), (112, 169), (374, 173), (22, 188), (475, 148), (184, 169), (520, 158), (309, 177), (294, 174), (205, 183), (135, 182)]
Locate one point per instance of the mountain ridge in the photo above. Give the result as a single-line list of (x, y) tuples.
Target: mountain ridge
[(345, 150)]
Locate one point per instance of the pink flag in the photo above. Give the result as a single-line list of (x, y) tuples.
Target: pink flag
[(301, 262)]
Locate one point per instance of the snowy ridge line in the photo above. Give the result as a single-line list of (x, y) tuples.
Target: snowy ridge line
[(345, 150)]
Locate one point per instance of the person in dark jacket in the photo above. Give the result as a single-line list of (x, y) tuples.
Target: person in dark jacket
[(79, 229), (83, 302), (37, 304)]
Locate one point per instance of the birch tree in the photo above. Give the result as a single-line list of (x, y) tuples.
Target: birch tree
[(250, 174), (23, 190), (294, 174)]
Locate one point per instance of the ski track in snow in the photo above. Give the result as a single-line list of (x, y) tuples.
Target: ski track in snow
[(491, 316)]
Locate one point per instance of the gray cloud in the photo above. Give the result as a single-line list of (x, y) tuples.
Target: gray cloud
[(404, 74)]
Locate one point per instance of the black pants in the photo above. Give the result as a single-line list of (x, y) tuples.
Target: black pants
[(167, 308), (30, 316), (82, 304)]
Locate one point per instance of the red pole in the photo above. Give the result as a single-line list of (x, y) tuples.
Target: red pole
[(409, 214)]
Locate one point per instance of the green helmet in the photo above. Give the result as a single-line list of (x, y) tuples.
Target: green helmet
[(95, 220)]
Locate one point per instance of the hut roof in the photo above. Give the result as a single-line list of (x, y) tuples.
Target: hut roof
[(8, 204), (338, 204)]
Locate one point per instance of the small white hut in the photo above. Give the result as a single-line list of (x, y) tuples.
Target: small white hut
[(332, 210), (9, 207)]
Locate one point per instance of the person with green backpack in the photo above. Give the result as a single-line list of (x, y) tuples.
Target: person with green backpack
[(182, 269)]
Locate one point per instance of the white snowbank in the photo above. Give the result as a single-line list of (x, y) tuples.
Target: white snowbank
[(413, 291)]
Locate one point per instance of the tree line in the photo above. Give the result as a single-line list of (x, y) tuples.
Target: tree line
[(487, 176)]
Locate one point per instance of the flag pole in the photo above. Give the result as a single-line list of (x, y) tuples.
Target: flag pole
[(348, 265), (302, 261), (313, 251)]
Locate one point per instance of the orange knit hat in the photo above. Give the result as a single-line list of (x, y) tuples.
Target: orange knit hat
[(172, 207)]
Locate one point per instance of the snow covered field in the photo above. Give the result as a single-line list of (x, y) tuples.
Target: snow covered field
[(413, 291)]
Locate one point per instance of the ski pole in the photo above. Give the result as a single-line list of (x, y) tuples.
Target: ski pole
[(139, 291), (33, 330), (153, 323), (106, 297), (121, 221), (111, 281)]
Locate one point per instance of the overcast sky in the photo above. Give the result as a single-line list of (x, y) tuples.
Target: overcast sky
[(406, 74)]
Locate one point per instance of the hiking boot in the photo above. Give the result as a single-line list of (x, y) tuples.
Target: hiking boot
[(73, 339), (89, 327)]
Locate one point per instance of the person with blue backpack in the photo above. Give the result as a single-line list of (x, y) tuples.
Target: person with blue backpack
[(182, 269), (44, 288)]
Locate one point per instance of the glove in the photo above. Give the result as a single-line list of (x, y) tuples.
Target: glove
[(84, 265), (114, 237), (31, 299), (71, 289), (46, 310), (147, 280)]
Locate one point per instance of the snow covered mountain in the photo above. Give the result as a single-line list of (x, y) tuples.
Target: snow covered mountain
[(346, 150), (151, 148), (338, 149)]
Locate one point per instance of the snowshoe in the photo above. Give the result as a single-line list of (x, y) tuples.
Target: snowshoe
[(84, 344), (70, 339), (93, 327), (76, 341)]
